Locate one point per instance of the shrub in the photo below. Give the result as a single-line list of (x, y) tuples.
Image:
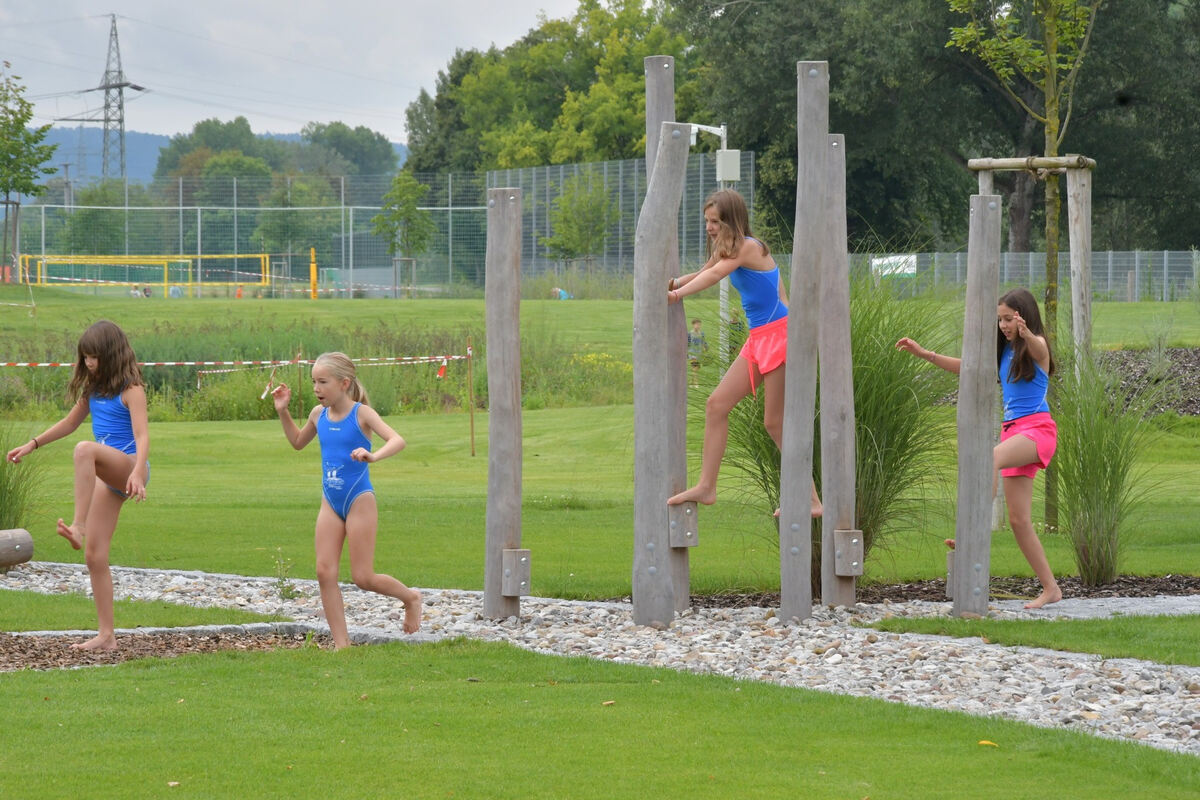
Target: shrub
[(19, 483)]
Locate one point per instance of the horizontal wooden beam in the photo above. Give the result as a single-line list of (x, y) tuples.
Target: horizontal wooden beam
[(1032, 162)]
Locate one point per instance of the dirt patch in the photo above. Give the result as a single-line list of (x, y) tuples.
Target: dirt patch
[(1000, 589), (54, 652)]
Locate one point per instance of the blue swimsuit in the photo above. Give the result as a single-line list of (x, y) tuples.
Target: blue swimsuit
[(112, 426), (342, 478)]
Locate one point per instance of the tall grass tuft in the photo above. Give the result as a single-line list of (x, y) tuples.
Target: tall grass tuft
[(19, 483), (898, 434), (1104, 429)]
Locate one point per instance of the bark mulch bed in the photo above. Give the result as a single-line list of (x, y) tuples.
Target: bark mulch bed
[(1001, 589), (54, 652)]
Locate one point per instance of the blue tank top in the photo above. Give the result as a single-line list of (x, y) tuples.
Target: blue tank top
[(1022, 398), (759, 290), (111, 424), (338, 439)]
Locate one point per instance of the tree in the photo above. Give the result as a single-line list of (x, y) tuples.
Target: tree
[(1039, 44), (580, 217), (570, 90), (405, 226), (22, 154), (368, 152)]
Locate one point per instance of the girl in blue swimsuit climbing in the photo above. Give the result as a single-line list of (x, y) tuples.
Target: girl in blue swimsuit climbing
[(343, 422)]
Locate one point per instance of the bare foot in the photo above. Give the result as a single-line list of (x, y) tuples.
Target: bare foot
[(1047, 597), (69, 532), (949, 543), (412, 613), (696, 494), (98, 642)]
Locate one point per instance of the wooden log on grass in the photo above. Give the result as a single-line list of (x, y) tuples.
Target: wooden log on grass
[(16, 547)]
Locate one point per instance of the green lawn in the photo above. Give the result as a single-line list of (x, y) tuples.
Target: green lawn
[(470, 719)]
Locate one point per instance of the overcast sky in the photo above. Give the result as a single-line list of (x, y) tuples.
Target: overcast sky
[(279, 64)]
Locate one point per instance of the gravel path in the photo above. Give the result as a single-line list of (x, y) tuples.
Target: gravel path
[(1146, 702)]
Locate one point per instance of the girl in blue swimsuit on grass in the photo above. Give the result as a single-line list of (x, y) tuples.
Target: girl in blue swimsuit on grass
[(748, 264), (106, 383), (343, 423)]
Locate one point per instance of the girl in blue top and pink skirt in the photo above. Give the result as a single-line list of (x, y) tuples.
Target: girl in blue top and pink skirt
[(747, 262), (1028, 434)]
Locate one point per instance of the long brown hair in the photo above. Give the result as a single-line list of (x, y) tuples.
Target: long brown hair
[(342, 368), (1022, 367), (116, 365), (735, 223)]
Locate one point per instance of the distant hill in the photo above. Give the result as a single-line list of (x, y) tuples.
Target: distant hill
[(81, 147)]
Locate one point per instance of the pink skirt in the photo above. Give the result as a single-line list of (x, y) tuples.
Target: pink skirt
[(1040, 429), (765, 348)]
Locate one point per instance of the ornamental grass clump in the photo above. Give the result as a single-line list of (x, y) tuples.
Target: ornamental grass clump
[(899, 434), (1104, 429)]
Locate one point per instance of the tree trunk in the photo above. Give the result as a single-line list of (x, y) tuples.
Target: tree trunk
[(1053, 210)]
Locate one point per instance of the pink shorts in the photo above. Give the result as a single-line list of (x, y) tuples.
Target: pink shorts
[(765, 348), (1042, 431)]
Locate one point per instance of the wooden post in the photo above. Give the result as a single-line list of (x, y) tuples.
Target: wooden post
[(681, 519), (502, 298), (837, 391), (976, 397), (16, 547), (800, 381), (653, 590), (1079, 223)]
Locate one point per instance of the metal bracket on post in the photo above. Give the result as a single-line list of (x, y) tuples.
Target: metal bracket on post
[(682, 520), (516, 573), (848, 553)]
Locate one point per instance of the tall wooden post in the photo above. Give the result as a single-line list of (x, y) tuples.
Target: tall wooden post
[(976, 396), (800, 381), (681, 519), (504, 568), (1079, 226), (841, 541), (653, 590)]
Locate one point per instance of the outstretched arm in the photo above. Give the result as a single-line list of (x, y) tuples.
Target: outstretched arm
[(371, 422), (948, 363), (64, 427)]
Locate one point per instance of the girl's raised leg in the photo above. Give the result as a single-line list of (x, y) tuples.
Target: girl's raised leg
[(361, 526), (93, 461), (104, 508), (1018, 491), (732, 388), (330, 534)]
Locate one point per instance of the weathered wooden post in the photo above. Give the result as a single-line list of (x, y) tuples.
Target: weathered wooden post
[(1079, 226), (16, 547), (506, 567), (681, 519), (976, 396), (653, 590), (800, 381), (841, 541)]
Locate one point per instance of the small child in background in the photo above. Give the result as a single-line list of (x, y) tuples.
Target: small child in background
[(697, 346), (343, 422)]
